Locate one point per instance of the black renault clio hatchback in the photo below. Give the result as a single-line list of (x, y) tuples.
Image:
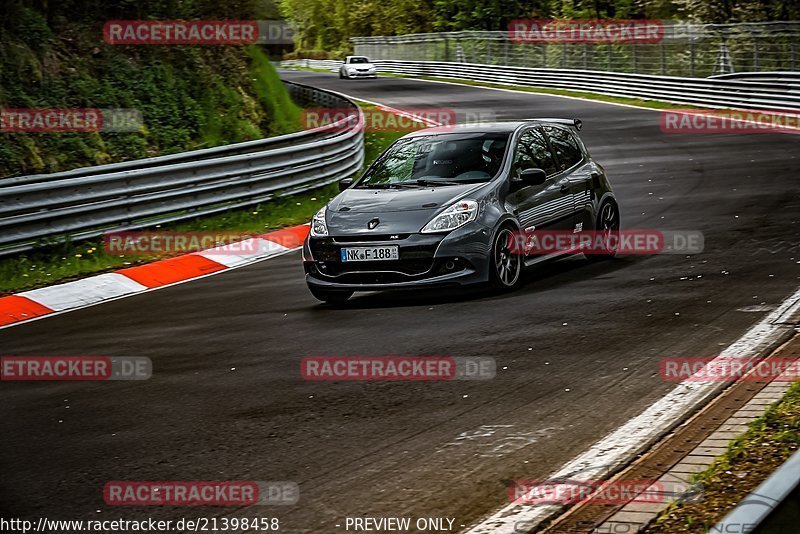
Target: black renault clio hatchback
[(445, 207)]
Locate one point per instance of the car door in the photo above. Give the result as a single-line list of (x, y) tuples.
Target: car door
[(539, 207), (575, 168)]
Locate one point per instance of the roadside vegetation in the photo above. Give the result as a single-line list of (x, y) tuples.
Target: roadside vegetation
[(53, 56), (325, 26), (749, 460), (72, 260)]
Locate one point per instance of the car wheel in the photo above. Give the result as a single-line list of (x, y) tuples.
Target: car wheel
[(341, 76), (505, 266), (331, 296), (608, 227)]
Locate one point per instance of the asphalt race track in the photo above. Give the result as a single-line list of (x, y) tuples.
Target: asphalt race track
[(577, 348)]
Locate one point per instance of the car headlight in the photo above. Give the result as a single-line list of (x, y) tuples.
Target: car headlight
[(453, 217), (318, 226), (351, 70)]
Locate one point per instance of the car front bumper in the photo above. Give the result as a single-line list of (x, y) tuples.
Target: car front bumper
[(458, 258), (358, 74)]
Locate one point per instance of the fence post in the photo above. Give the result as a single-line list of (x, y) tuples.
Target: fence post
[(663, 58), (755, 53)]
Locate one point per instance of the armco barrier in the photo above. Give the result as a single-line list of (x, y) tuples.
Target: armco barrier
[(764, 500), (87, 202), (705, 92)]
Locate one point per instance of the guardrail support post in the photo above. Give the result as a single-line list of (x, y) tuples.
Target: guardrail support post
[(755, 53)]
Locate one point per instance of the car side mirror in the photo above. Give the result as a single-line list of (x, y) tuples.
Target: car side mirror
[(345, 184), (532, 177)]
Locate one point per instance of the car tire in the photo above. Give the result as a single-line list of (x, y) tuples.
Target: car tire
[(505, 267), (331, 296), (608, 222), (341, 76)]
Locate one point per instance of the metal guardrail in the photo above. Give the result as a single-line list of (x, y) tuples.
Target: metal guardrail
[(704, 92), (788, 77), (764, 500), (684, 49), (86, 202)]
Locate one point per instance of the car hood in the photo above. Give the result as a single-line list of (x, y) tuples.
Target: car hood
[(361, 65), (397, 210)]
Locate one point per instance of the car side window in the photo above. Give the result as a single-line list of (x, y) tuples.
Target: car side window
[(532, 153), (565, 145)]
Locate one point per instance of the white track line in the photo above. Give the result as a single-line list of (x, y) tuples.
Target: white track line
[(583, 99), (793, 129), (621, 446)]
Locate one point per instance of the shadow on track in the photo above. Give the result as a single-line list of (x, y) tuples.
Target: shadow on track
[(535, 279)]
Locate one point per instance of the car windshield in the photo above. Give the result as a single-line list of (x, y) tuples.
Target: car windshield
[(359, 60), (441, 159)]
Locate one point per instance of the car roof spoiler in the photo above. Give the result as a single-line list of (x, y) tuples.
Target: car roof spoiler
[(575, 123)]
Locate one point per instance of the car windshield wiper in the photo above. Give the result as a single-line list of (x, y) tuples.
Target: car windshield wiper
[(425, 183), (383, 185)]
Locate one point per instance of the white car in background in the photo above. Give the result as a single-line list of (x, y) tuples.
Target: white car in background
[(357, 67)]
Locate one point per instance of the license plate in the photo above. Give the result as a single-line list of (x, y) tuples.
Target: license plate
[(370, 253)]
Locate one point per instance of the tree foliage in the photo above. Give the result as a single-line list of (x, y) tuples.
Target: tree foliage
[(53, 56), (324, 27)]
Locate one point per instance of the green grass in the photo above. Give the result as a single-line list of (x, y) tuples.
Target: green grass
[(72, 260), (652, 104), (750, 459)]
